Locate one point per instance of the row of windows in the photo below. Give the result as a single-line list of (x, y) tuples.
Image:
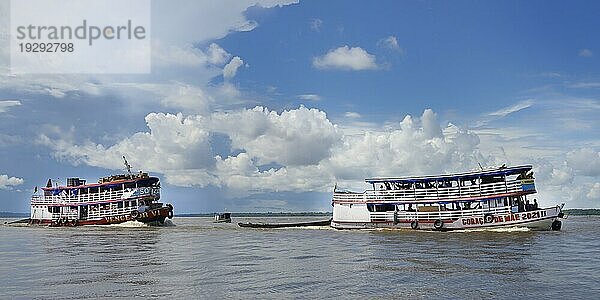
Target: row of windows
[(94, 207)]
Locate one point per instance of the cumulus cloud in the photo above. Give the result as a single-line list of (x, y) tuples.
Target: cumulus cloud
[(418, 146), (7, 182), (585, 161), (231, 68), (296, 137), (173, 142), (295, 150), (346, 58), (6, 104)]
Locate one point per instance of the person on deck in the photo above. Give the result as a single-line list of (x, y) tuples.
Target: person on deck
[(521, 206), (535, 205)]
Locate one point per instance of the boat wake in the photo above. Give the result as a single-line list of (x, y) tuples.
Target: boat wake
[(129, 224), (168, 223), (501, 229)]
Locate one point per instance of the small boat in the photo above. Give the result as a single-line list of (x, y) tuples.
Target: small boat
[(283, 225), (222, 218)]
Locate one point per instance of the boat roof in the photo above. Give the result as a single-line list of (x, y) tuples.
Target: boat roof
[(466, 175), (106, 184)]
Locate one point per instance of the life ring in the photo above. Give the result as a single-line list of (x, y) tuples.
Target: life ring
[(414, 224), (488, 218), (438, 224), (170, 214), (135, 214)]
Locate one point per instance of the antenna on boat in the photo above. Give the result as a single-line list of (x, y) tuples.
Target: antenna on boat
[(127, 165), (477, 163)]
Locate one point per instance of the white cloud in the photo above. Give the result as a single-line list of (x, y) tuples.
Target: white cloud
[(217, 55), (585, 161), (390, 42), (198, 21), (310, 97), (418, 146), (346, 58), (315, 24), (296, 150), (300, 150), (6, 104), (173, 142), (585, 53), (231, 68), (296, 137), (171, 55), (187, 97), (594, 192), (352, 115), (503, 112), (9, 182)]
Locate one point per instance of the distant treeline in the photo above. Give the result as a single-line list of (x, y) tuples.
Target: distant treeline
[(267, 214), (5, 214), (582, 212)]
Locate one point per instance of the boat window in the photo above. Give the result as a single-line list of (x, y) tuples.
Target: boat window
[(120, 205), (380, 207), (491, 179)]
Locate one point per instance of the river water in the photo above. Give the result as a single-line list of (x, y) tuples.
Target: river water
[(199, 259)]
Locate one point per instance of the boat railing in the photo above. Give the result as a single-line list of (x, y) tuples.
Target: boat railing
[(100, 213), (95, 213), (432, 194), (67, 198), (388, 216)]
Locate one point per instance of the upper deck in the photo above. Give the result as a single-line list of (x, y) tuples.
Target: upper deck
[(485, 173), (469, 186), (108, 189)]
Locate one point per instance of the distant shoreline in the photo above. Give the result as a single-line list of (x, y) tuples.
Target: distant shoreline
[(582, 212), (267, 214), (194, 215), (574, 212)]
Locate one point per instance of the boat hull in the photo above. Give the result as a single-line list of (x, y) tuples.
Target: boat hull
[(151, 217), (541, 219)]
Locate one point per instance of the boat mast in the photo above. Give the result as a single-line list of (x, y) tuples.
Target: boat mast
[(127, 165)]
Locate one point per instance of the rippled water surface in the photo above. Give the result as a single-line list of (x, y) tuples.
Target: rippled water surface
[(199, 259)]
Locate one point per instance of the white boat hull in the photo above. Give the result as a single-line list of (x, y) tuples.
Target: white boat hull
[(358, 217)]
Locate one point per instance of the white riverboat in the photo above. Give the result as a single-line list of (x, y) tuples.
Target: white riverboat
[(114, 199), (497, 197)]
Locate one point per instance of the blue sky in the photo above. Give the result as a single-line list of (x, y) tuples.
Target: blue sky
[(264, 107)]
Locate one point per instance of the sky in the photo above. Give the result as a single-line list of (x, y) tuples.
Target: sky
[(257, 106)]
